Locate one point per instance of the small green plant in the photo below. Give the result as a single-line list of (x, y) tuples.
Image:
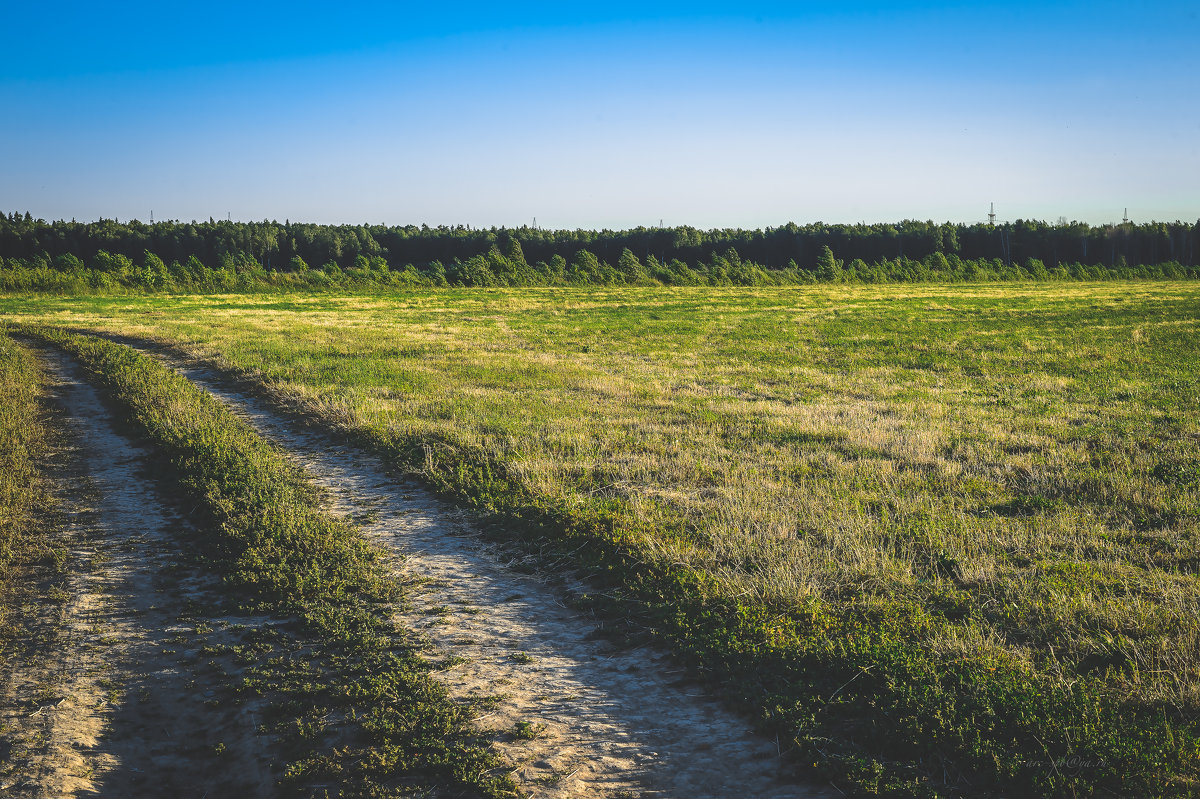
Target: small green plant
[(527, 730)]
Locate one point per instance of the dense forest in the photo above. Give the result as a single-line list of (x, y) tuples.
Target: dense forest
[(37, 255)]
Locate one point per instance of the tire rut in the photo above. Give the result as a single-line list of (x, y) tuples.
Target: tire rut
[(576, 715)]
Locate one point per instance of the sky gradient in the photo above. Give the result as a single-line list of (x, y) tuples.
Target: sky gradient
[(712, 115)]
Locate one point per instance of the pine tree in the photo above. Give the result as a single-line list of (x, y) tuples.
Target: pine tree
[(829, 270), (515, 254)]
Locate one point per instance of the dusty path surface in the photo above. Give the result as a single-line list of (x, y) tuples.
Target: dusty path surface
[(576, 715), (121, 703)]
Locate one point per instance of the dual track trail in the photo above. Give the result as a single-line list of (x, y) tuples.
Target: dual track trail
[(576, 715), (118, 702)]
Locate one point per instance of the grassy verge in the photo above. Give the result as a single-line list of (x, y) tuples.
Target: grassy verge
[(23, 499), (946, 538), (361, 713), (21, 436)]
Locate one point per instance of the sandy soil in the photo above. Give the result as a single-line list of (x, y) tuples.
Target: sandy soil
[(575, 714), (120, 702)]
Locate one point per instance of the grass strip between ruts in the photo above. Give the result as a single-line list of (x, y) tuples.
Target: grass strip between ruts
[(367, 719)]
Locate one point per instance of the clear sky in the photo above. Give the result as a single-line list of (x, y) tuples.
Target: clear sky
[(614, 115)]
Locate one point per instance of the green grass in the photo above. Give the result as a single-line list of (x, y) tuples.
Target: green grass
[(22, 436), (24, 501), (357, 706), (943, 537)]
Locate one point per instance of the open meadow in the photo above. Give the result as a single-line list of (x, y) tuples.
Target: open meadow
[(941, 538)]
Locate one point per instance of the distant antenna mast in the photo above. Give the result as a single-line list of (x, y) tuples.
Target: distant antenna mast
[(992, 214), (1126, 219), (535, 223), (152, 216)]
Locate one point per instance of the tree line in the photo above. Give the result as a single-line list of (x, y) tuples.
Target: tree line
[(107, 255)]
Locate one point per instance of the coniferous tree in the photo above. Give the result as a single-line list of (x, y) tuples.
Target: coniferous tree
[(514, 252), (829, 270)]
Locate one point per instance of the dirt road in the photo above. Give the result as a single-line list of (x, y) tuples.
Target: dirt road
[(576, 715), (120, 700)]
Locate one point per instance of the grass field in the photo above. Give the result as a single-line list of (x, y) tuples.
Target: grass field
[(944, 536)]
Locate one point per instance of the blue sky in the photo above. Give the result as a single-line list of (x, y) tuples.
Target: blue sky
[(711, 114)]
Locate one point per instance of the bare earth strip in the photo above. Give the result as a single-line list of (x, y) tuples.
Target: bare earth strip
[(120, 703), (576, 715)]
